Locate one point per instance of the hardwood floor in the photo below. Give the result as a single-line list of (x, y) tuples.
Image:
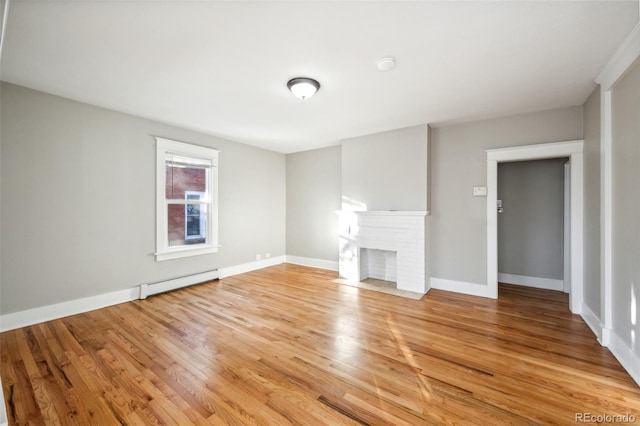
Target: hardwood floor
[(285, 345)]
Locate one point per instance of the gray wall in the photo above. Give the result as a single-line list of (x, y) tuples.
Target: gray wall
[(531, 228), (458, 163), (386, 171), (626, 209), (591, 283), (78, 201), (313, 197)]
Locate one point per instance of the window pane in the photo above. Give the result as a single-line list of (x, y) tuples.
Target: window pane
[(180, 179), (193, 226), (186, 224)]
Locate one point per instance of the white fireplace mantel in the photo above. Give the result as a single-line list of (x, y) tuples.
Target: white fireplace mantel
[(402, 232)]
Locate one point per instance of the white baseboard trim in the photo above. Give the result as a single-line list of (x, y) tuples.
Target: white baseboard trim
[(630, 361), (592, 320), (251, 266), (64, 309), (544, 283), (314, 263), (471, 289), (605, 339)]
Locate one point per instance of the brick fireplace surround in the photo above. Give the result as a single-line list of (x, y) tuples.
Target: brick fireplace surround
[(369, 239)]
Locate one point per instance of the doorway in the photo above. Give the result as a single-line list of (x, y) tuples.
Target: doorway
[(571, 149), (531, 223)]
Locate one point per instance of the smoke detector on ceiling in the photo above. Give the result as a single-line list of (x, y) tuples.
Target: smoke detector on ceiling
[(387, 63)]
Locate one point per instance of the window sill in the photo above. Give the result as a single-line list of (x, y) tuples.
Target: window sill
[(185, 252)]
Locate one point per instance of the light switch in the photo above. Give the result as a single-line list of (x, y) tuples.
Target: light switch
[(479, 191)]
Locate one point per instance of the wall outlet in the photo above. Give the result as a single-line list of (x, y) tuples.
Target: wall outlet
[(258, 257), (267, 255)]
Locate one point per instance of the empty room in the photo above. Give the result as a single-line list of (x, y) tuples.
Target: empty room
[(319, 212)]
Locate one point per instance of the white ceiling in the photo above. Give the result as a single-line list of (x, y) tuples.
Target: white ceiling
[(222, 67)]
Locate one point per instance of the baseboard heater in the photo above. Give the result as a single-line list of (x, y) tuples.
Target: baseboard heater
[(150, 289)]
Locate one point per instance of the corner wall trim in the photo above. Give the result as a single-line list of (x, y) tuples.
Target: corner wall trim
[(593, 321), (251, 266), (471, 289), (64, 309), (621, 61), (314, 263), (545, 283), (629, 360)]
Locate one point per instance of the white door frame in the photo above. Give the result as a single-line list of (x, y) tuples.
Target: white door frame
[(571, 149), (566, 263)]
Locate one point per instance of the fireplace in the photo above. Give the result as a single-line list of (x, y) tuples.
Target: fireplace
[(387, 245), (378, 264)]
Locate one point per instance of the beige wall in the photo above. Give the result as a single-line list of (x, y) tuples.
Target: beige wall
[(386, 171), (313, 198), (458, 163), (626, 209), (78, 201), (531, 228), (591, 286)]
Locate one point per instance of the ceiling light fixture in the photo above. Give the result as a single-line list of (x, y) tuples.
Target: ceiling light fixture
[(303, 87)]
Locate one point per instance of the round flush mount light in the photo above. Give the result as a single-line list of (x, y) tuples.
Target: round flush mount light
[(387, 63), (303, 87)]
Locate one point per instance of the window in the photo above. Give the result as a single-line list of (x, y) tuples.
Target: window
[(186, 200), (195, 219)]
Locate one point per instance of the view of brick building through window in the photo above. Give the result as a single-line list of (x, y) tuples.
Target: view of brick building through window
[(186, 222)]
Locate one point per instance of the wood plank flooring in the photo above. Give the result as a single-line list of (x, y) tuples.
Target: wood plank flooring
[(285, 345)]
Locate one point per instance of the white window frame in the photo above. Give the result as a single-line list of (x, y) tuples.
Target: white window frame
[(163, 251), (201, 217)]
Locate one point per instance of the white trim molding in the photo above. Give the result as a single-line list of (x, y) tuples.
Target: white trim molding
[(605, 338), (592, 321), (621, 61), (5, 15), (72, 307), (250, 266), (566, 222), (606, 211), (535, 152), (64, 309), (471, 289), (314, 263), (545, 283), (571, 149), (623, 353), (577, 231)]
